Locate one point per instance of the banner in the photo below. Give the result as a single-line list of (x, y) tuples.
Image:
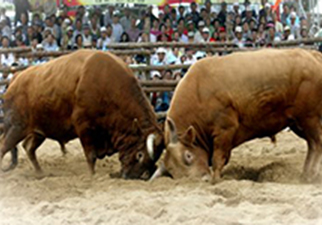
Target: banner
[(102, 2)]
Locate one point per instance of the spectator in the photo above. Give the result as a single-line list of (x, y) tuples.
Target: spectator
[(285, 14), (133, 31), (206, 35), (272, 36), (194, 13), (79, 28), (5, 30), (223, 13), (160, 58), (21, 6), (67, 41), (7, 58), (109, 15), (181, 14), (295, 28), (79, 42), (106, 37), (87, 36), (239, 41), (198, 34), (95, 26), (117, 27), (278, 25), (50, 44), (125, 38), (236, 10), (50, 8), (4, 17), (126, 20)]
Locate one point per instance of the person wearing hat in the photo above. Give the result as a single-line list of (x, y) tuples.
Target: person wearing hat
[(272, 36), (50, 43), (222, 34), (160, 57), (191, 37), (238, 40), (117, 27), (87, 35), (294, 25), (106, 37), (236, 9), (133, 31), (287, 36), (67, 41), (205, 35), (198, 35)]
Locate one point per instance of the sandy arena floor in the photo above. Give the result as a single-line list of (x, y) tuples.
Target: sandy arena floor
[(261, 186)]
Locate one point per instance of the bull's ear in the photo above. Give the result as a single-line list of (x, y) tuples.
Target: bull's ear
[(173, 136), (136, 126), (190, 134)]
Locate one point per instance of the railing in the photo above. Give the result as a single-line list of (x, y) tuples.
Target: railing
[(147, 49)]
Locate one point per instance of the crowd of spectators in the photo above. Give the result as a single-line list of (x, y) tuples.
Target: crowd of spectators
[(95, 28)]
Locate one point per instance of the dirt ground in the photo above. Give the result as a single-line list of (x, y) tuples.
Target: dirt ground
[(261, 186)]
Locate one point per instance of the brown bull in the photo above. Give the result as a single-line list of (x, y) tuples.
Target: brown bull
[(223, 102), (87, 94)]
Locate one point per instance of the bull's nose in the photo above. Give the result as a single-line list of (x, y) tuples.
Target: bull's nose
[(206, 178)]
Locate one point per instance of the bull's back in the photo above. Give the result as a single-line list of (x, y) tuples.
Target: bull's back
[(43, 96), (261, 86)]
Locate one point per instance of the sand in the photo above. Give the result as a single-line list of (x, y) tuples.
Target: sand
[(261, 186)]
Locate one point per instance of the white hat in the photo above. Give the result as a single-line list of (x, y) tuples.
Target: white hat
[(287, 28), (293, 15), (236, 4), (103, 29), (161, 50), (201, 23), (267, 5), (205, 30), (39, 46), (248, 8), (191, 34), (67, 21), (70, 28), (238, 29), (155, 73)]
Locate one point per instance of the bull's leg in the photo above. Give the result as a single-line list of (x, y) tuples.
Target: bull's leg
[(89, 151), (311, 131), (31, 144), (9, 141), (221, 154)]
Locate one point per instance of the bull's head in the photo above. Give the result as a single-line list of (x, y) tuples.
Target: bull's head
[(140, 163), (183, 158)]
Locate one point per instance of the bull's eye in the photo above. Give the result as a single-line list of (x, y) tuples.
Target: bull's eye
[(140, 156), (188, 157)]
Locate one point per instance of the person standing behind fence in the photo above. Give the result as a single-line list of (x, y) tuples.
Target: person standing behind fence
[(106, 37), (117, 27), (21, 6)]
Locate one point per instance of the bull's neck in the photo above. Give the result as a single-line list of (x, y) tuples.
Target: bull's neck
[(128, 137)]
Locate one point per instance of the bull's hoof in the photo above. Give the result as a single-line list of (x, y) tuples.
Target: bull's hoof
[(9, 168), (216, 180), (309, 179)]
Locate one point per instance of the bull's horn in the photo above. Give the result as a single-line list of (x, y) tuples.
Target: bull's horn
[(159, 172), (149, 144)]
